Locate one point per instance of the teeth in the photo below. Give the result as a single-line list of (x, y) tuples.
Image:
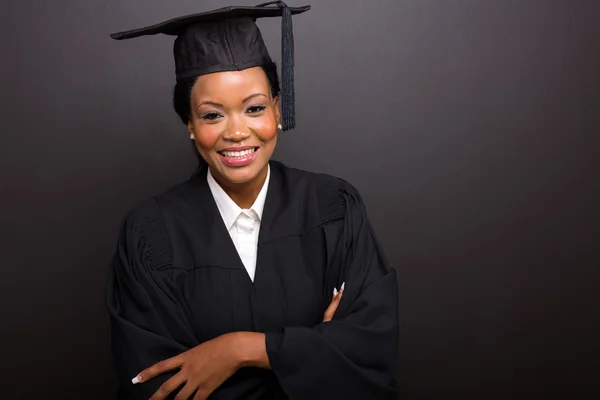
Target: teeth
[(242, 153)]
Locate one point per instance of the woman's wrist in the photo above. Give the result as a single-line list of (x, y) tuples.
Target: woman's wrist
[(250, 350)]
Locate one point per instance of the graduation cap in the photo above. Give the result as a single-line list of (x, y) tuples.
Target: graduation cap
[(228, 39)]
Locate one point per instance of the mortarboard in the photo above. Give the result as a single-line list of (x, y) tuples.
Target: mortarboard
[(227, 39)]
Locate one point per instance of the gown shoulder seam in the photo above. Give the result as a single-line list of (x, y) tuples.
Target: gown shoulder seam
[(149, 222)]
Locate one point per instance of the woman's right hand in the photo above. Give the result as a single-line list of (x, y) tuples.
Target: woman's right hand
[(335, 302)]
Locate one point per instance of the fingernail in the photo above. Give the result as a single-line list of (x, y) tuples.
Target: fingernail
[(342, 287), (137, 379), (335, 292)]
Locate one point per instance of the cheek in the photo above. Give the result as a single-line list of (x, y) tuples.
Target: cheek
[(207, 137), (265, 128)]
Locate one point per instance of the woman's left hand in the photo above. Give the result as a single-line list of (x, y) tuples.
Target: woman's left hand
[(202, 369)]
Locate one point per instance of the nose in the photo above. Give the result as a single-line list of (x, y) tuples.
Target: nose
[(236, 136), (236, 132)]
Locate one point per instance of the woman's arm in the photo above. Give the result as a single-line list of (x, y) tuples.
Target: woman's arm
[(250, 347), (251, 350), (355, 354), (147, 324), (205, 367)]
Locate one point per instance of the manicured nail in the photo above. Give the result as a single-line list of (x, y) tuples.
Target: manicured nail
[(342, 287), (137, 379), (335, 292)]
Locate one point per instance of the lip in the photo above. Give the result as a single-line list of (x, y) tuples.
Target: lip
[(239, 148), (239, 161)]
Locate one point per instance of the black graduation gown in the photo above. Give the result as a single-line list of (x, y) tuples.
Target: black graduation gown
[(177, 280)]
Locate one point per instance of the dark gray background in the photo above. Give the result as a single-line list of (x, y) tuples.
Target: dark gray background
[(470, 127)]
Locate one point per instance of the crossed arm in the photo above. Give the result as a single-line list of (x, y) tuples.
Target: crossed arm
[(205, 367), (352, 355)]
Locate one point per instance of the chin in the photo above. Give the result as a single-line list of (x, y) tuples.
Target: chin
[(240, 175)]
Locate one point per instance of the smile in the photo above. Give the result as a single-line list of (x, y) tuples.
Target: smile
[(238, 153), (238, 157)]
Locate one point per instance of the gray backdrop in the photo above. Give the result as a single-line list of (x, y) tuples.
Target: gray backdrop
[(469, 126)]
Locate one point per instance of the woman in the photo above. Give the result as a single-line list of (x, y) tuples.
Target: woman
[(251, 280)]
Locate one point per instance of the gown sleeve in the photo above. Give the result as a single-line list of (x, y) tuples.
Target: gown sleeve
[(354, 355), (147, 323)]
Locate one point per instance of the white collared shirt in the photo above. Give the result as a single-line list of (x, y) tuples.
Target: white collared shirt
[(243, 224)]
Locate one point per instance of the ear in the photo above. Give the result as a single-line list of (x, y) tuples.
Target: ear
[(277, 111), (190, 127)]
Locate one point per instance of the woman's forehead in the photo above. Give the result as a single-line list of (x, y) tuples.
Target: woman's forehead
[(247, 79)]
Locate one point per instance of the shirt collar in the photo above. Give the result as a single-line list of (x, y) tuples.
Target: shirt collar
[(227, 208)]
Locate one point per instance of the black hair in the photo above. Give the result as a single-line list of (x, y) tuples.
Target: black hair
[(183, 91)]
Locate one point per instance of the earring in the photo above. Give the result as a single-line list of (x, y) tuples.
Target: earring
[(192, 136), (279, 126)]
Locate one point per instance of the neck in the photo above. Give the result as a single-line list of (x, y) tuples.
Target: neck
[(243, 194)]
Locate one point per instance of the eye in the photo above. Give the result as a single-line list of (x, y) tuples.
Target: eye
[(211, 116), (256, 109)]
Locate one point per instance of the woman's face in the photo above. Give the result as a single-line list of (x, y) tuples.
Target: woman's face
[(234, 122)]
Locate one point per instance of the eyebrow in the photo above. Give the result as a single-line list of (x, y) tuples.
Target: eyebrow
[(212, 103), (253, 96)]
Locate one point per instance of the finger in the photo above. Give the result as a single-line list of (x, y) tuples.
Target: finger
[(330, 312), (186, 392), (169, 387), (158, 369), (202, 394), (335, 302)]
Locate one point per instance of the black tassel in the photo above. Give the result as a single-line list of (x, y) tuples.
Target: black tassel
[(288, 97)]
